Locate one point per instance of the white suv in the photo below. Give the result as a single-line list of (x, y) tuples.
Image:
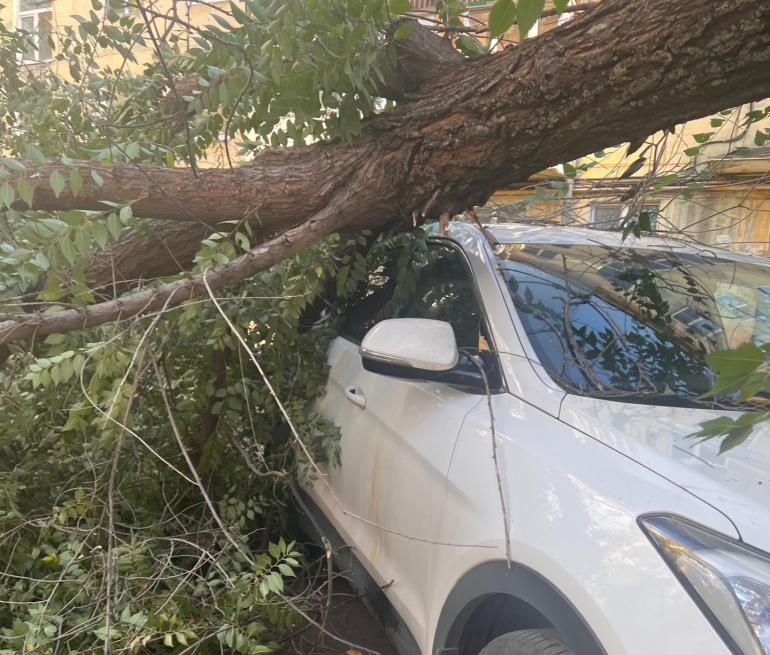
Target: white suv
[(591, 524)]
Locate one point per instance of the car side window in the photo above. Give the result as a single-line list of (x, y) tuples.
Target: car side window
[(443, 291), (366, 307)]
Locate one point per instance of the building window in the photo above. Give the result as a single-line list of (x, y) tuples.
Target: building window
[(36, 17), (609, 217)]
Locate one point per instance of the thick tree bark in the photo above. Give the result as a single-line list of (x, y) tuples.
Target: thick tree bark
[(140, 256), (624, 69)]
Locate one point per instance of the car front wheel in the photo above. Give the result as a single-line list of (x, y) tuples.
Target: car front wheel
[(527, 642)]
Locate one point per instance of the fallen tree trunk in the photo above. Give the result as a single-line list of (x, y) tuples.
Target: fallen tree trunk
[(624, 69)]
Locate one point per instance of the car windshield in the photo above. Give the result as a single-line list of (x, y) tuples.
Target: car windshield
[(635, 323)]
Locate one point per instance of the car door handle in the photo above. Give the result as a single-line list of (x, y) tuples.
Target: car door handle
[(356, 396)]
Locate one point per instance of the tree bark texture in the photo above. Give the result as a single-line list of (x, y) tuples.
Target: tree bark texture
[(622, 70)]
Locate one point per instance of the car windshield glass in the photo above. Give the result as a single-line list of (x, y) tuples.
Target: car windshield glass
[(634, 323)]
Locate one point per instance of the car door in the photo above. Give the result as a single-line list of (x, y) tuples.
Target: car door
[(398, 435)]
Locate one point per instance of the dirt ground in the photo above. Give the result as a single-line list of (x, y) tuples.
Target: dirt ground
[(350, 621)]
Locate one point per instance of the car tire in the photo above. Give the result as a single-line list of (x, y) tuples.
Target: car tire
[(527, 642)]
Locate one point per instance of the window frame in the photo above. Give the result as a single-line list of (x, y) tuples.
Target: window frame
[(35, 14), (611, 205)]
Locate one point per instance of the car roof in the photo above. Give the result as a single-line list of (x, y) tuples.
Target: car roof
[(557, 234)]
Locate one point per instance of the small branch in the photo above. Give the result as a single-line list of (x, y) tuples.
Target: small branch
[(170, 77), (110, 492), (247, 556), (431, 202), (480, 365), (237, 445), (174, 293)]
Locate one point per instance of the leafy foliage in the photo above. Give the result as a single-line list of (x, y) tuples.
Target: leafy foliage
[(88, 409), (743, 372)]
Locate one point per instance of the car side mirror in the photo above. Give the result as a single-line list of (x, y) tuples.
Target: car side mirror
[(416, 348), (422, 349)]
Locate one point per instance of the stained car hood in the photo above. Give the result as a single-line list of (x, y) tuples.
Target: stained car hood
[(737, 483)]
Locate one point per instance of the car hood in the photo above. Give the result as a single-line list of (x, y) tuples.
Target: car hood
[(737, 483)]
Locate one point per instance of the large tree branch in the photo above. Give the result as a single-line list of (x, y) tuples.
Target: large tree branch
[(141, 256), (174, 293), (625, 68)]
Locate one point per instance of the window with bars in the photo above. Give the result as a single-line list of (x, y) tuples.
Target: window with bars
[(36, 17), (608, 217)]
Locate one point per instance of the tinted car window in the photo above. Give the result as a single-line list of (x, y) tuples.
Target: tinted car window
[(438, 287), (626, 322)]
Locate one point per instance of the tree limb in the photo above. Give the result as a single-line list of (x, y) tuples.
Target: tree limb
[(626, 68), (174, 293)]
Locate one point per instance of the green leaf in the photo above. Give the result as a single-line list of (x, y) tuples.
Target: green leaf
[(528, 13), (57, 183), (470, 46), (691, 152), (397, 7), (76, 182), (755, 383), (744, 359), (7, 195), (25, 190), (735, 438), (14, 165), (82, 241), (42, 261), (560, 5), (403, 31), (501, 18), (634, 145), (97, 178), (736, 369), (68, 250), (114, 225), (633, 168), (100, 234), (239, 15), (703, 138), (33, 152)]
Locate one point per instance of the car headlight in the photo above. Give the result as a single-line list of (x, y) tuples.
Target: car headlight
[(728, 580)]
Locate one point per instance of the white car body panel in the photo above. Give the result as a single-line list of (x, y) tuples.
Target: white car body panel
[(561, 489), (393, 473), (577, 473), (737, 482)]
